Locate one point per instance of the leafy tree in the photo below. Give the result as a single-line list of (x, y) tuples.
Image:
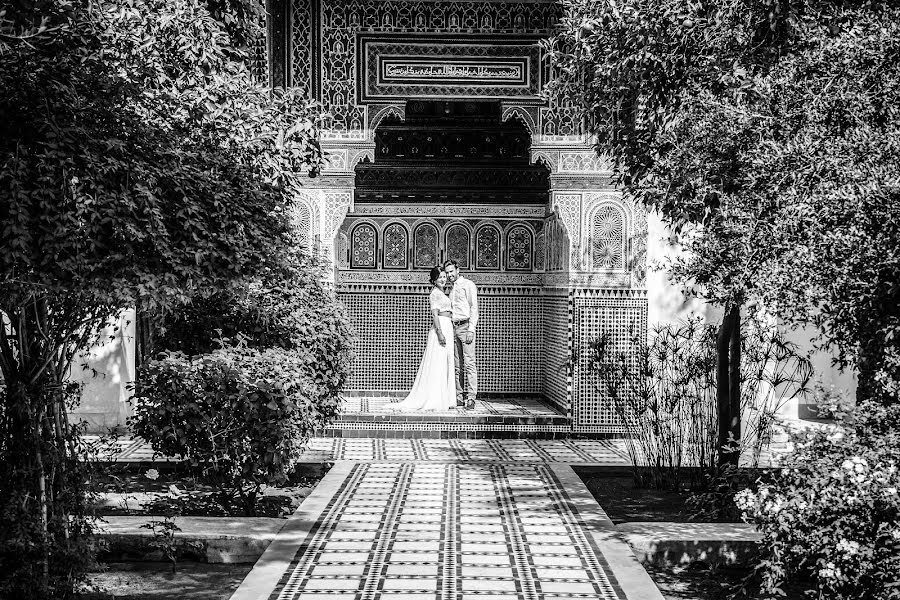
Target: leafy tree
[(760, 129), (139, 165)]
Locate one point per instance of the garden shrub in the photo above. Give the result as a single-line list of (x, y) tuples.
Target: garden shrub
[(663, 390), (242, 413), (285, 307), (831, 515)]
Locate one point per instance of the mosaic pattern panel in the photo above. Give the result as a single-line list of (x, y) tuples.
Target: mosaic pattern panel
[(458, 245), (556, 352), (518, 249), (395, 244), (449, 531), (363, 243), (487, 248), (425, 246), (608, 239), (392, 329), (616, 315)]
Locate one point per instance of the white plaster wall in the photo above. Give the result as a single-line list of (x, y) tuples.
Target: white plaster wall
[(110, 370), (667, 304)]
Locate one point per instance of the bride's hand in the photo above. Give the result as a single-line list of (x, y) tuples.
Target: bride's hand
[(441, 340)]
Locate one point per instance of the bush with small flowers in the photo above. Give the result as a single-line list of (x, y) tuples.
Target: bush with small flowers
[(831, 516)]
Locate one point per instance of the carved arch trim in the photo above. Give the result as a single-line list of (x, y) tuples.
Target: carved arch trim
[(512, 112)]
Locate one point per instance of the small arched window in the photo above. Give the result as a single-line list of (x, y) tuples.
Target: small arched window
[(363, 245), (458, 245), (518, 249), (487, 248), (425, 246), (395, 245), (608, 239)]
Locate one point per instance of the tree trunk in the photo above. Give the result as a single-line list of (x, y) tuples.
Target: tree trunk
[(728, 385), (735, 375)]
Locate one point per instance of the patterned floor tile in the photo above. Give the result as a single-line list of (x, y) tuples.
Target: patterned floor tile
[(501, 530), (526, 407)]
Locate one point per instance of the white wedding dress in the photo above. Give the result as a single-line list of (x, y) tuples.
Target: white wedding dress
[(435, 385)]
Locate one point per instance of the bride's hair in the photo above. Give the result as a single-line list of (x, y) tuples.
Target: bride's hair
[(435, 273)]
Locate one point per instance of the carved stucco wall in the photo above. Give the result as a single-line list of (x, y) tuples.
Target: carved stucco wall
[(562, 301)]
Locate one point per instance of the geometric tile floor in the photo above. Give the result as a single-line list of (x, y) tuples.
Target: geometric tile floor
[(410, 531), (605, 452), (595, 452)]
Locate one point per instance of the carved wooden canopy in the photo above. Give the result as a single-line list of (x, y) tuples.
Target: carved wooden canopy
[(458, 152)]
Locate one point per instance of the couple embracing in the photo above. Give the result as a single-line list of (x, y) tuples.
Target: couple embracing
[(448, 375)]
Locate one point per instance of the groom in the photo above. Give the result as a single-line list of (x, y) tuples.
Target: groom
[(464, 302)]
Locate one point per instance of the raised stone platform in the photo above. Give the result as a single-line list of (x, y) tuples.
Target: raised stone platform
[(491, 418), (667, 544), (207, 539)]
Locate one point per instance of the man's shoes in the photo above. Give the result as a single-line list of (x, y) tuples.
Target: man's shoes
[(470, 405)]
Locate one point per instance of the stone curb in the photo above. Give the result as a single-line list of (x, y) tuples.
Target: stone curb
[(670, 544), (204, 539)]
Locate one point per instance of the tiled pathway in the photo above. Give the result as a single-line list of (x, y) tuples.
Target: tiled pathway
[(448, 530)]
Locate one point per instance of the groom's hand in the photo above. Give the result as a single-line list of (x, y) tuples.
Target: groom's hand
[(470, 337)]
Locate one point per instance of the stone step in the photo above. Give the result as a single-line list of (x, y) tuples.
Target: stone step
[(493, 418)]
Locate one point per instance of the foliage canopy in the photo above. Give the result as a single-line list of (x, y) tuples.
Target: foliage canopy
[(766, 132), (139, 165)]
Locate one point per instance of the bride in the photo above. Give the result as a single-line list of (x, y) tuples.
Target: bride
[(435, 385)]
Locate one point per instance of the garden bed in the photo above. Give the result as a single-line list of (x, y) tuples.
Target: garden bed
[(156, 581), (141, 491), (615, 492)]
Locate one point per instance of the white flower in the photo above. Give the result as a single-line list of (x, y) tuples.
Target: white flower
[(152, 474), (745, 500), (847, 465), (774, 505), (896, 534), (830, 571), (836, 436), (891, 491), (848, 546)]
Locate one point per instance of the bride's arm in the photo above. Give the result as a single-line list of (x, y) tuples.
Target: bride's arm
[(437, 327)]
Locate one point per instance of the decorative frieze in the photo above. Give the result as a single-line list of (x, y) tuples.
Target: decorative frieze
[(421, 277), (395, 68), (452, 210), (584, 161)]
